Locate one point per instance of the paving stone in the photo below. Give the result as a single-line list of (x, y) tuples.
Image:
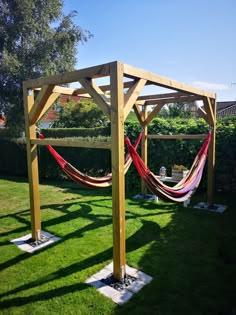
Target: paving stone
[(110, 267), (123, 296), (104, 273), (214, 208), (143, 277), (136, 286), (22, 242), (131, 271), (95, 282), (116, 296)]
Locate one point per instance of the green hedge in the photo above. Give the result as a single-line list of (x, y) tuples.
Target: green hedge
[(5, 133), (168, 152), (76, 132), (13, 161), (95, 162), (160, 152), (226, 154)]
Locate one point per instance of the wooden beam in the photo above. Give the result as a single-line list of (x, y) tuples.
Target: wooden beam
[(153, 114), (203, 115), (32, 162), (132, 95), (209, 111), (105, 88), (182, 99), (196, 136), (39, 103), (52, 98), (211, 158), (161, 96), (72, 143), (135, 73), (64, 90), (68, 91), (138, 114), (97, 94), (68, 77), (104, 70), (144, 148), (118, 182)]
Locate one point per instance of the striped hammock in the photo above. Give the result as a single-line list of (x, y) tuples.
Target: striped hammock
[(83, 179), (182, 190)]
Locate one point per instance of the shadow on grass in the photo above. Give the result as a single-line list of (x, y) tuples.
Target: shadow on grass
[(84, 211), (149, 232), (43, 296), (189, 275), (63, 208)]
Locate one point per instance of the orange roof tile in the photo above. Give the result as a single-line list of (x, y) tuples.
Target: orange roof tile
[(51, 115), (64, 98)]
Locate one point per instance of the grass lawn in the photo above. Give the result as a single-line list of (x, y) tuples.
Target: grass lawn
[(189, 253)]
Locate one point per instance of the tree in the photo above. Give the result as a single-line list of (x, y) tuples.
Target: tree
[(85, 114), (36, 39), (183, 110)]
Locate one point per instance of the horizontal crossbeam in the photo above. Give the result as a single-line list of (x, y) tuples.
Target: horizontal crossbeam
[(72, 143)]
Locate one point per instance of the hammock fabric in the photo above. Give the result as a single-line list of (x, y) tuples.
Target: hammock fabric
[(83, 179), (182, 190)]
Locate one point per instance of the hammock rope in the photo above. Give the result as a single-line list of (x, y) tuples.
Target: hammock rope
[(182, 190), (83, 179)]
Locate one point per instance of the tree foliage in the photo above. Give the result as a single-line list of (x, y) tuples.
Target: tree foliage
[(36, 39), (85, 114), (182, 110)]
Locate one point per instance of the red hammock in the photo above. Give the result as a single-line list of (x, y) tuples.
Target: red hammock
[(83, 179), (185, 188)]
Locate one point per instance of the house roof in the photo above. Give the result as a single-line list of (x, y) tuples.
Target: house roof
[(223, 105), (51, 115), (226, 108), (65, 98)]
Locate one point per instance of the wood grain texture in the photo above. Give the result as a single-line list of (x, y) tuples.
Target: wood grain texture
[(132, 95), (32, 162), (39, 103), (72, 143), (144, 148), (118, 182), (133, 72), (211, 157)]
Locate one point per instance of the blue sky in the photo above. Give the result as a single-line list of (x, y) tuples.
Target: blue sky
[(190, 41)]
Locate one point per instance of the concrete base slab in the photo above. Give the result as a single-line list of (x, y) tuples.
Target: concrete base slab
[(26, 244), (214, 208), (154, 198), (146, 197), (120, 296)]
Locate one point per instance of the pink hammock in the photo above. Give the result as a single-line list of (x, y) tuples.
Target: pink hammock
[(83, 179), (185, 188)]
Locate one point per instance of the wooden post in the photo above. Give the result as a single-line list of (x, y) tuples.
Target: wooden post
[(32, 161), (144, 147), (118, 182), (211, 158)]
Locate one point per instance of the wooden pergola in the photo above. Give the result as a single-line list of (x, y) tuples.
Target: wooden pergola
[(125, 85)]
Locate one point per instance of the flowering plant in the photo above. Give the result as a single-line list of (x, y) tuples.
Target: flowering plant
[(179, 167)]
